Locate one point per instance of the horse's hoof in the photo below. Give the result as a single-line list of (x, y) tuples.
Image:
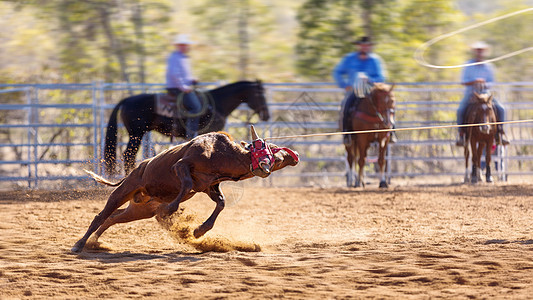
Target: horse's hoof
[(474, 180), (489, 179), (77, 248), (383, 184)]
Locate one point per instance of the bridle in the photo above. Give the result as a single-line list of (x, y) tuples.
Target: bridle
[(378, 116)]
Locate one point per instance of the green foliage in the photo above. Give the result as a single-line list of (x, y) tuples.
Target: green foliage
[(399, 27), (275, 40)]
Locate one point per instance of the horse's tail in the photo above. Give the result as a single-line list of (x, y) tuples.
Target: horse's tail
[(102, 180), (110, 148)]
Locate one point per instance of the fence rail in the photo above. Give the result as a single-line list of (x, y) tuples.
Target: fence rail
[(50, 131)]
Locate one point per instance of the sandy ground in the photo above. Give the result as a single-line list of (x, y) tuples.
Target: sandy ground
[(438, 241)]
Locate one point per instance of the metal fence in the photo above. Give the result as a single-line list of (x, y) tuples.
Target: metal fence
[(51, 131)]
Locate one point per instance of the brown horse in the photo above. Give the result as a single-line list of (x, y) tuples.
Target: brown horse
[(479, 111), (375, 111)]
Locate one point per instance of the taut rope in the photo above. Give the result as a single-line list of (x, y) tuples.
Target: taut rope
[(395, 129)]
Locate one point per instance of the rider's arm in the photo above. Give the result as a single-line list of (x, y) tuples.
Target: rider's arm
[(490, 76), (378, 72), (178, 73), (340, 73), (469, 75)]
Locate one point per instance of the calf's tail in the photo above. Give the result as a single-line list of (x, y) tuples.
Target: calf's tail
[(102, 180)]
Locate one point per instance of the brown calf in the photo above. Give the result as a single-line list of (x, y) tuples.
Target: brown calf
[(159, 184)]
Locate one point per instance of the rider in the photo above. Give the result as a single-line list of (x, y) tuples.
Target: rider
[(180, 80), (472, 76), (357, 68)]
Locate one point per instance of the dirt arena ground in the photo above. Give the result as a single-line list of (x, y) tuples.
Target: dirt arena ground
[(436, 241)]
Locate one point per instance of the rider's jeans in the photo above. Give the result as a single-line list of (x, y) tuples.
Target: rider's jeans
[(350, 100), (500, 110), (193, 106)]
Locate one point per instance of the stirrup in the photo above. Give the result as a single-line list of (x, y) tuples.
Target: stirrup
[(501, 140), (347, 139), (393, 138)]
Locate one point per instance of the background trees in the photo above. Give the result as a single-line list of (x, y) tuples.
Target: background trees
[(274, 40)]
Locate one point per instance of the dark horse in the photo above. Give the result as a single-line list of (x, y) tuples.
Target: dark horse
[(375, 111), (479, 111), (139, 116)]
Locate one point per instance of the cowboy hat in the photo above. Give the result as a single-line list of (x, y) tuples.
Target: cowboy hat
[(182, 39), (363, 40), (479, 45)]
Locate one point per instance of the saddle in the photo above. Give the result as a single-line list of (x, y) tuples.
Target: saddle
[(166, 106)]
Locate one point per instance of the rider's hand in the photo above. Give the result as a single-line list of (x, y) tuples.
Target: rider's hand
[(480, 80), (186, 91), (348, 88), (194, 82)]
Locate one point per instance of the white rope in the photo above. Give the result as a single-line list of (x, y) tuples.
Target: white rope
[(395, 129), (419, 53)]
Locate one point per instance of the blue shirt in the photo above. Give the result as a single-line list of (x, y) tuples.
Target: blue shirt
[(346, 71), (179, 73), (471, 73)]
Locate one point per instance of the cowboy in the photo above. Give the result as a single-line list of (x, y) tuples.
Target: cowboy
[(481, 75), (180, 80), (357, 70)]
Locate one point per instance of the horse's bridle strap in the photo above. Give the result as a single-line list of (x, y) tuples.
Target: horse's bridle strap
[(368, 118)]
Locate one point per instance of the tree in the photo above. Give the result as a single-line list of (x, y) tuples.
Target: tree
[(398, 26), (103, 39)]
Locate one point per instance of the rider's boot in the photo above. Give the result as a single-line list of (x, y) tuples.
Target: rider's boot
[(461, 138), (175, 127), (501, 137), (393, 138)]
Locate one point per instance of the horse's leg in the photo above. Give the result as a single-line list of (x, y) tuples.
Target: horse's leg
[(350, 157), (480, 148), (362, 147), (140, 207), (467, 157), (131, 152), (382, 164), (216, 195), (475, 161), (121, 195), (488, 159)]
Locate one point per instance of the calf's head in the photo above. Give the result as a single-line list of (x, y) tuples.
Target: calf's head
[(268, 157)]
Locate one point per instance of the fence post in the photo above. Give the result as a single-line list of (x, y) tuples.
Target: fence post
[(101, 124), (33, 121), (96, 158)]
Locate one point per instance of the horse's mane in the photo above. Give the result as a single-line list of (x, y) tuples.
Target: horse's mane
[(226, 87), (381, 86), (484, 97)]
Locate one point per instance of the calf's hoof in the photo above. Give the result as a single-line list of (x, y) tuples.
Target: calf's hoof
[(167, 211), (383, 184), (199, 232)]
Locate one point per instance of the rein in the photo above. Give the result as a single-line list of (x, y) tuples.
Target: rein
[(377, 118)]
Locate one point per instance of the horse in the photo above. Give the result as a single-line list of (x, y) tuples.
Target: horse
[(159, 184), (479, 111), (139, 116), (375, 111)]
